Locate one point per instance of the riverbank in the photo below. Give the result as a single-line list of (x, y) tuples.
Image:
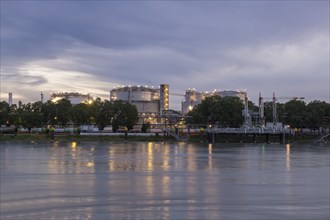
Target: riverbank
[(77, 137), (228, 138)]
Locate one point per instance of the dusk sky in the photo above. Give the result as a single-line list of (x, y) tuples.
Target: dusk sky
[(92, 46)]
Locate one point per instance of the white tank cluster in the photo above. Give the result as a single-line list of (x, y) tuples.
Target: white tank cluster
[(74, 97), (134, 94)]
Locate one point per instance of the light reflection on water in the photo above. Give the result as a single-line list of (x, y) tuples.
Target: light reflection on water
[(100, 180)]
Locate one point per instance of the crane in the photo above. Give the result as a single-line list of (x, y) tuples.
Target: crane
[(176, 94), (274, 98)]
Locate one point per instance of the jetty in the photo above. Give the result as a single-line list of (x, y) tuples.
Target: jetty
[(282, 134)]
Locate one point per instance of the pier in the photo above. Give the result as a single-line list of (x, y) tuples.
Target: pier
[(281, 135)]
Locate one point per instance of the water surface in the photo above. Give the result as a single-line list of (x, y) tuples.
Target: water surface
[(104, 180)]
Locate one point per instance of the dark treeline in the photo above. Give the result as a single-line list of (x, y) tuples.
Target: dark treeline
[(63, 113), (298, 114), (223, 111), (227, 112)]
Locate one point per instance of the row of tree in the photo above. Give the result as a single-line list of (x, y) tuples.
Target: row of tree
[(222, 111), (298, 114), (227, 112), (63, 113)]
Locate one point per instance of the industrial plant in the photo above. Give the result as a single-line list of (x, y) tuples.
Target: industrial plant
[(150, 102), (155, 116), (153, 103)]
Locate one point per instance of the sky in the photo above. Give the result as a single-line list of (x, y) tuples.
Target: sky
[(93, 46)]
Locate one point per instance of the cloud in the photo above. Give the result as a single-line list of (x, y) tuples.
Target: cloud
[(25, 78), (92, 46)]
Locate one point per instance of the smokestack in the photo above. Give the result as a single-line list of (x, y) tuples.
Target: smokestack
[(42, 97), (10, 98)]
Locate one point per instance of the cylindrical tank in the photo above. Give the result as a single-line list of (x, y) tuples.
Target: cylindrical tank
[(135, 93)]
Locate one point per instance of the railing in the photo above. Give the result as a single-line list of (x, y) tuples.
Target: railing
[(247, 130), (176, 136), (322, 138)]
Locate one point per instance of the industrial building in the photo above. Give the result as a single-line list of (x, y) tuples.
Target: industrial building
[(193, 97), (150, 102), (74, 97)]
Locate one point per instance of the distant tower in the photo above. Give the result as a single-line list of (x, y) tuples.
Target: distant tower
[(247, 118), (129, 94), (274, 110), (42, 97), (261, 112), (164, 97), (10, 98)]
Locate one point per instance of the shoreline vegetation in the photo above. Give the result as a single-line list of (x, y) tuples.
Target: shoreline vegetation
[(228, 138)]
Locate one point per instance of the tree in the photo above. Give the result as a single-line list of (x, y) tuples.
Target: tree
[(231, 112), (316, 114), (80, 114), (124, 114), (95, 111), (145, 127), (30, 119), (37, 106), (63, 108), (295, 111), (202, 114), (253, 107), (224, 111), (49, 113), (5, 113), (268, 111), (105, 115)]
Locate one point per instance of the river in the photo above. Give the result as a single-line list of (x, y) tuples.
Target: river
[(106, 180)]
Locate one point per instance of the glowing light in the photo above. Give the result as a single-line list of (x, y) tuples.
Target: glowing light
[(89, 102), (150, 157), (210, 157), (90, 164), (288, 161), (56, 99)]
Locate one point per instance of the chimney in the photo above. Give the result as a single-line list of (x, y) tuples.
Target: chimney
[(10, 98)]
